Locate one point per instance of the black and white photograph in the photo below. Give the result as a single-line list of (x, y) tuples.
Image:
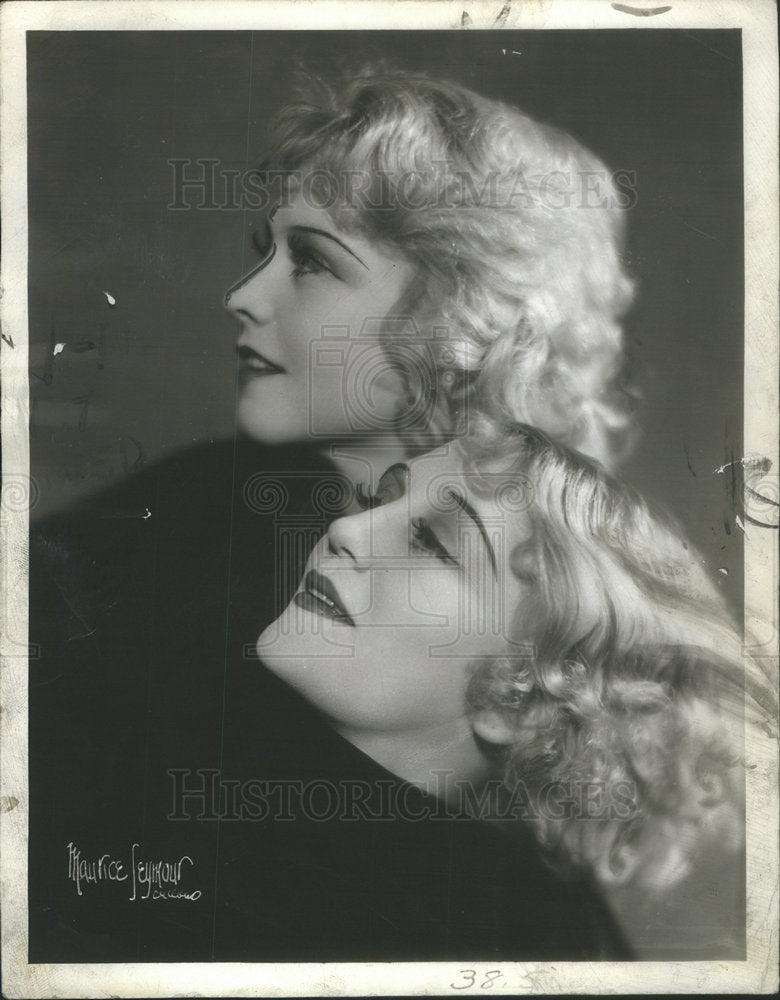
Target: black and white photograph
[(390, 500)]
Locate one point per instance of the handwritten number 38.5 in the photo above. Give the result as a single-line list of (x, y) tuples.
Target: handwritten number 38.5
[(470, 977)]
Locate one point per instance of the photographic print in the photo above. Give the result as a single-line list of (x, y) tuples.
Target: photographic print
[(390, 499)]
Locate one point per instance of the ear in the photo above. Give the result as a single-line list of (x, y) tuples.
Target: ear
[(493, 726)]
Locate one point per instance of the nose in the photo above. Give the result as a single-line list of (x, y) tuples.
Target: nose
[(350, 538), (366, 537), (251, 296)]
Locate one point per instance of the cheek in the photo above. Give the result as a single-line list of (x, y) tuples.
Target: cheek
[(298, 331), (460, 612), (491, 620), (435, 600)]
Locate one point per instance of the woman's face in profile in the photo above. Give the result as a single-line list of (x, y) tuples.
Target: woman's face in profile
[(398, 601), (305, 315)]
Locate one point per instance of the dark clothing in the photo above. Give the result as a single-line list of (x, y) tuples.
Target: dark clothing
[(186, 805)]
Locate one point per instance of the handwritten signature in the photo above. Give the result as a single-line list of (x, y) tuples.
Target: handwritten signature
[(149, 879)]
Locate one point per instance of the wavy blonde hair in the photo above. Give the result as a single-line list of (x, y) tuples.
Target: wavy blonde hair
[(637, 678), (517, 231)]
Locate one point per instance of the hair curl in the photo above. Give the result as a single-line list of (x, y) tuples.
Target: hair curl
[(637, 676), (523, 273)]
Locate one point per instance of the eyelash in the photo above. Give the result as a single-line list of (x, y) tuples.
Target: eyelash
[(423, 537), (304, 258), (303, 254), (263, 241), (425, 540), (366, 500)]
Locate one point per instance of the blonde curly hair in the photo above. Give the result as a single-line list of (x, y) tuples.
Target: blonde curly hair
[(636, 679), (516, 230)]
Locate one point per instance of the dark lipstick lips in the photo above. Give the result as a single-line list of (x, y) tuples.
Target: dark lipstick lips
[(254, 361), (321, 598)]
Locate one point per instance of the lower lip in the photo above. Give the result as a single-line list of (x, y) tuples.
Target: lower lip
[(303, 599)]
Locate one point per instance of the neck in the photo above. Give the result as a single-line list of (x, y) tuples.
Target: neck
[(425, 757)]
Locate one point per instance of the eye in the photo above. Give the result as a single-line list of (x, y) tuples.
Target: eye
[(392, 486), (263, 240), (305, 258), (424, 540), (366, 500)]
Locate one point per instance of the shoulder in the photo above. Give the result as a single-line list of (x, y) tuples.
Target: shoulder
[(195, 488)]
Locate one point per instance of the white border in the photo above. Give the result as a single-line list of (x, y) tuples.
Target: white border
[(757, 19)]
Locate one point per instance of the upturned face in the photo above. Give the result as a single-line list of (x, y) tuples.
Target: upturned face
[(398, 602), (310, 364)]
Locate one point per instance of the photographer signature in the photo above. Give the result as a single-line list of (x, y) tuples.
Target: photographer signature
[(149, 879)]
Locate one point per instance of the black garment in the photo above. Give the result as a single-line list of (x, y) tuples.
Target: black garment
[(152, 724)]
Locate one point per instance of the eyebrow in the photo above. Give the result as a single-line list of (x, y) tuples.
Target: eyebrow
[(330, 236), (466, 507)]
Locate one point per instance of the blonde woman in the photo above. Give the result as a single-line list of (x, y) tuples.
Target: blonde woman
[(517, 635), (427, 267), (449, 248)]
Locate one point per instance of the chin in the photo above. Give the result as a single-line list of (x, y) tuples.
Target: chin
[(293, 646), (275, 646)]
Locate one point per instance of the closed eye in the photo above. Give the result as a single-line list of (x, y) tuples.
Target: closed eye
[(424, 540)]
